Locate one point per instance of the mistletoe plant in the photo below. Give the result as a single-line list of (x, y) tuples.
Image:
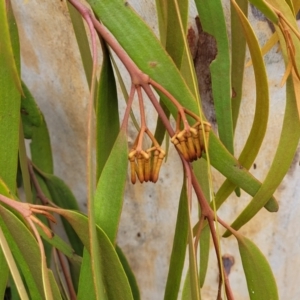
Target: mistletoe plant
[(93, 266)]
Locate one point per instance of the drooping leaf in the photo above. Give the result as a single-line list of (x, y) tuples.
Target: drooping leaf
[(110, 188), (173, 26), (238, 52), (57, 242), (263, 6), (25, 250), (204, 254), (40, 147), (23, 163), (131, 278), (54, 287), (12, 266), (10, 97), (235, 172), (64, 198), (202, 174), (107, 114), (178, 250), (213, 22), (260, 279), (289, 138), (10, 48), (286, 149), (113, 275), (260, 121), (82, 42), (30, 112), (86, 288)]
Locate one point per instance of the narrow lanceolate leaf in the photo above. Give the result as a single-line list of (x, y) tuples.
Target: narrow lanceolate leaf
[(173, 35), (30, 112), (161, 9), (131, 278), (54, 288), (23, 162), (179, 249), (201, 170), (64, 198), (238, 52), (107, 114), (240, 176), (213, 22), (10, 97), (82, 41), (13, 267), (284, 8), (40, 147), (174, 38), (86, 289), (110, 188), (146, 51), (113, 275), (193, 270), (107, 206), (58, 243), (260, 121), (286, 149), (288, 141), (9, 51), (265, 9), (260, 279), (25, 251)]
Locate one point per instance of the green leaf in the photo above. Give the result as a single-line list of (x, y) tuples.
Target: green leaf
[(288, 141), (201, 172), (10, 89), (25, 250), (10, 97), (54, 287), (283, 157), (4, 273), (30, 112), (23, 163), (178, 249), (114, 278), (64, 198), (174, 39), (110, 188), (57, 242), (107, 114), (260, 121), (265, 9), (40, 147), (186, 291), (213, 22), (234, 171), (238, 52), (204, 254), (131, 278), (10, 48), (82, 41), (260, 279), (13, 267), (143, 47), (86, 289), (171, 29)]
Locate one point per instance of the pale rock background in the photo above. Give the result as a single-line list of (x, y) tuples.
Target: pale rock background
[(52, 70)]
